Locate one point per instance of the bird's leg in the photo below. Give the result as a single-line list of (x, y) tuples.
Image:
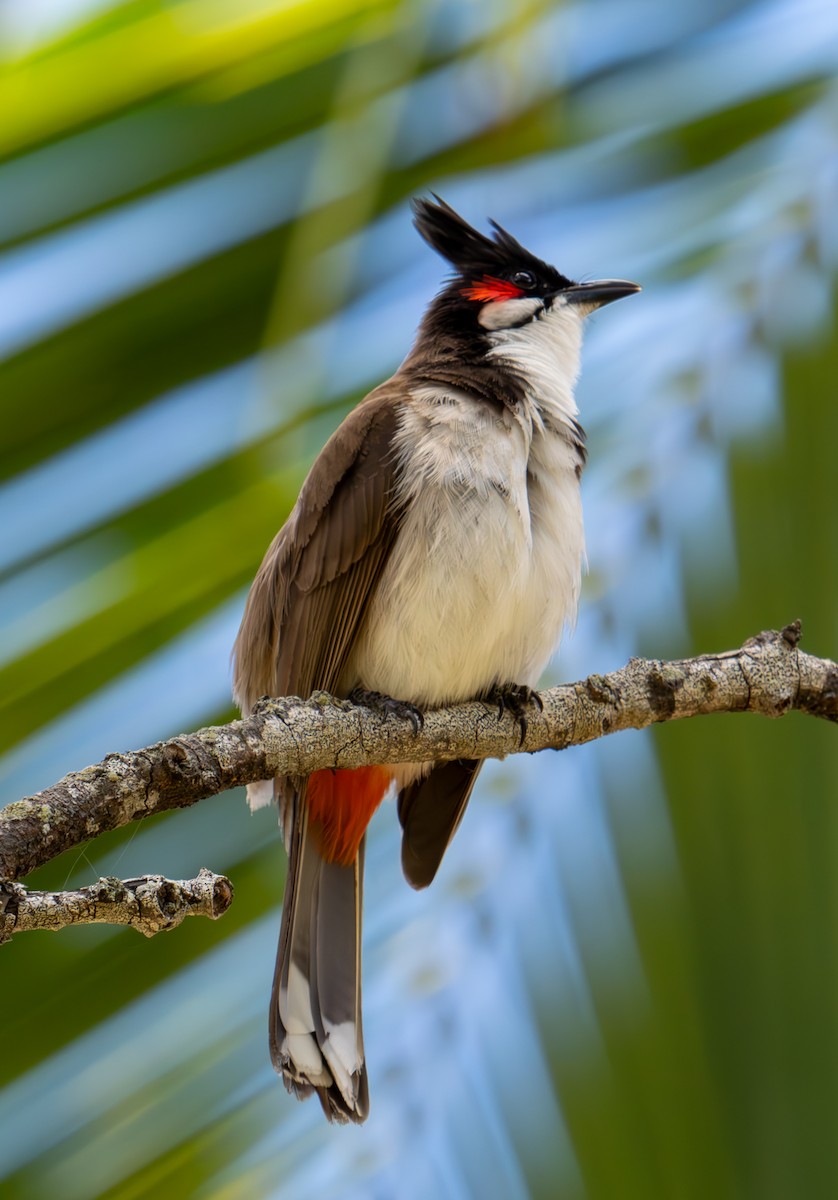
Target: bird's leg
[(389, 707), (515, 698)]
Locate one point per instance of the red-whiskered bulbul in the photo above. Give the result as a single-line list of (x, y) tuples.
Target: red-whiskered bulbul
[(433, 556)]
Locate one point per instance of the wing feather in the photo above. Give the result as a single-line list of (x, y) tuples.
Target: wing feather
[(430, 810), (311, 591)]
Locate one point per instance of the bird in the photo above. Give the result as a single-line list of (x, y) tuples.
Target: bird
[(434, 555)]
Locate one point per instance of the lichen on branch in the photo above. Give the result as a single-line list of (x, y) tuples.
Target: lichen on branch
[(150, 904), (769, 674)]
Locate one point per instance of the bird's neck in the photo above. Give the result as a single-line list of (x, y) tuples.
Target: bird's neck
[(535, 365), (544, 355)]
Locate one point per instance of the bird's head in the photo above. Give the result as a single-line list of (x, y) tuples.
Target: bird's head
[(498, 285)]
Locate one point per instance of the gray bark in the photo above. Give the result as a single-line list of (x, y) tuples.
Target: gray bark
[(769, 675), (150, 904)]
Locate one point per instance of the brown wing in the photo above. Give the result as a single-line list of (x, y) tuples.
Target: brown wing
[(430, 811), (311, 590), (301, 617)]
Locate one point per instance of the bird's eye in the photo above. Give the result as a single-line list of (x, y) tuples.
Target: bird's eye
[(524, 279)]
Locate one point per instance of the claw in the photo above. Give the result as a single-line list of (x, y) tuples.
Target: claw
[(516, 699), (389, 707)]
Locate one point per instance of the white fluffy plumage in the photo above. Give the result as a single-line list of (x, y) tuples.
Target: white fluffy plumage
[(487, 567)]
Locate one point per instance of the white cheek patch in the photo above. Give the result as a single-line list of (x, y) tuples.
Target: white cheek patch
[(501, 314)]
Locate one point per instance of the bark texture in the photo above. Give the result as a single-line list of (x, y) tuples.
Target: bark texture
[(150, 904), (769, 675)]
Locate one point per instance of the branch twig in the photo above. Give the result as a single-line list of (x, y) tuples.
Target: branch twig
[(150, 904), (767, 675)]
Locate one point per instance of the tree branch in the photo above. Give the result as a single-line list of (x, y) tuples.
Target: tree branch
[(150, 904), (768, 675)]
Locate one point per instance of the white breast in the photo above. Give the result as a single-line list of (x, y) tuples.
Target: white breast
[(487, 566)]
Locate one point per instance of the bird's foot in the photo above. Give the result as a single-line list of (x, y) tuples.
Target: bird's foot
[(388, 707), (516, 699)]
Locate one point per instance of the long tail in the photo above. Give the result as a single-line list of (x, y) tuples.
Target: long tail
[(316, 1036)]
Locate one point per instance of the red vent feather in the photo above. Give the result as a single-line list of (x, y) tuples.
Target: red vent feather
[(341, 804)]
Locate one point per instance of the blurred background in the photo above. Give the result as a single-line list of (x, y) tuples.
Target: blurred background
[(623, 982)]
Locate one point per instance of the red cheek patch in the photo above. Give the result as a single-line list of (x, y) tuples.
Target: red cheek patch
[(490, 288)]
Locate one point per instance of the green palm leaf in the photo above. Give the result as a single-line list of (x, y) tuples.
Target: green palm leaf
[(623, 983)]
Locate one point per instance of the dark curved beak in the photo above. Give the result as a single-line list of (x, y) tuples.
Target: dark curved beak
[(598, 292)]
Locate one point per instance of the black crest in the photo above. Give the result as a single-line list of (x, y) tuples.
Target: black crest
[(470, 252)]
